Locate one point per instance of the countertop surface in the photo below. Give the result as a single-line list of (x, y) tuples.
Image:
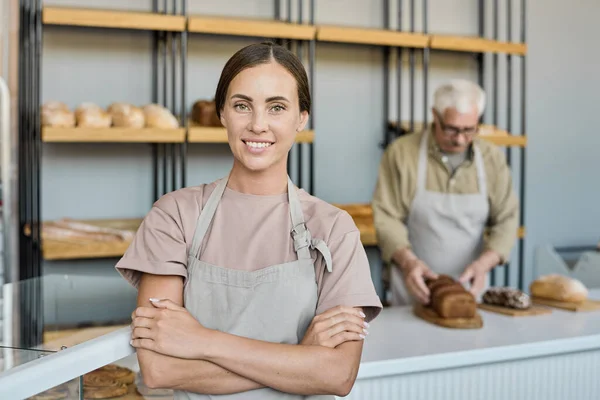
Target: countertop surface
[(400, 342)]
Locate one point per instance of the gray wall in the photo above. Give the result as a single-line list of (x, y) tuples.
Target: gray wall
[(103, 181)]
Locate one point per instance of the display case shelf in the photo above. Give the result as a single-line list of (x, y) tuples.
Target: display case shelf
[(378, 37), (250, 27), (476, 45), (206, 134), (112, 135), (98, 18)]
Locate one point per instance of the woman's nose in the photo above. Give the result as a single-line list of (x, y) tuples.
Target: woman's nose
[(259, 122)]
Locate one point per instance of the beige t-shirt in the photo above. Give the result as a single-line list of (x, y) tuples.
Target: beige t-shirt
[(250, 232)]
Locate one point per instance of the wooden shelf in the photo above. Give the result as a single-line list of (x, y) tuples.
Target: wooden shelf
[(476, 45), (112, 19), (495, 135), (201, 134), (362, 214), (72, 249), (112, 135), (249, 27), (379, 37)]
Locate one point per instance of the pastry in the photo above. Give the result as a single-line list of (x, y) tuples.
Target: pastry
[(89, 115), (449, 299), (126, 115), (204, 113), (506, 297), (57, 393), (57, 114), (558, 287), (104, 392), (111, 372), (158, 116)]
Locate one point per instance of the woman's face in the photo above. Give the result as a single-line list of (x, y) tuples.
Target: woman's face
[(262, 116)]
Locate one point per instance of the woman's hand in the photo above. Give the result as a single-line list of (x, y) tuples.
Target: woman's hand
[(167, 329), (336, 326)]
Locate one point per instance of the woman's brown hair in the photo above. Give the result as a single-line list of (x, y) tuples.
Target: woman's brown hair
[(263, 53)]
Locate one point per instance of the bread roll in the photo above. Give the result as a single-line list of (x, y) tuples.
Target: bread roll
[(89, 115), (204, 113), (158, 116), (558, 287), (57, 114), (126, 115)]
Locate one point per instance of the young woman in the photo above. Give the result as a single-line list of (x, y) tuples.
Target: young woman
[(250, 287)]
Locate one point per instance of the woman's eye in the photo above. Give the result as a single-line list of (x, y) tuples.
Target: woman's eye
[(241, 107), (278, 108)]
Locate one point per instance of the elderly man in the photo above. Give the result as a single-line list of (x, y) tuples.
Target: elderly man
[(436, 193)]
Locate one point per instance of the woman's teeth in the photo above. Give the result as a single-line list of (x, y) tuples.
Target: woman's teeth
[(258, 145)]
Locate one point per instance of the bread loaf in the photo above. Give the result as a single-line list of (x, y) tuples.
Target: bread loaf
[(506, 297), (89, 115), (57, 114), (204, 113), (126, 115), (449, 299), (158, 116), (558, 287)]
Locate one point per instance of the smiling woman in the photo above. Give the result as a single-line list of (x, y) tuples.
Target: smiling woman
[(249, 286)]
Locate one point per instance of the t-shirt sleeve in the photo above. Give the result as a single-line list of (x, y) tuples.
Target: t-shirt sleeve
[(349, 283), (158, 247)]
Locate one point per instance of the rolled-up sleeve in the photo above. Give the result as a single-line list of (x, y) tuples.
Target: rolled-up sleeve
[(504, 209), (158, 247), (389, 212)]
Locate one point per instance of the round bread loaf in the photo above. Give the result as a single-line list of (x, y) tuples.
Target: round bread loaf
[(559, 287), (90, 115), (158, 116), (127, 115)]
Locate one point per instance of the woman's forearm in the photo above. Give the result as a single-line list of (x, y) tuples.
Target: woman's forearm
[(295, 369), (198, 376)]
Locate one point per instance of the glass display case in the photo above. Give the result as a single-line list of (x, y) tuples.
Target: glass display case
[(67, 337)]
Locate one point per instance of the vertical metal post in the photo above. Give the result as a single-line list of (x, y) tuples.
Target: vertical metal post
[(183, 111), (495, 103), (480, 56), (399, 52), (164, 100), (425, 67), (299, 54), (174, 148), (412, 69), (386, 76), (523, 132), (289, 47), (155, 44), (509, 83), (311, 76)]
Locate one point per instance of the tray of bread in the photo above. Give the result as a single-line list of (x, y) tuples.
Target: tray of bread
[(450, 306), (512, 302), (560, 291)]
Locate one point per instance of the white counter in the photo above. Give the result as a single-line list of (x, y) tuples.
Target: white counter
[(405, 357), (546, 357)]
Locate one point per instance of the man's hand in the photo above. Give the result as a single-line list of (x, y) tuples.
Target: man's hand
[(414, 272), (167, 329), (336, 326), (475, 274)]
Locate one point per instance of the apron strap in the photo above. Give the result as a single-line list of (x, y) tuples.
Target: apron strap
[(422, 163), (303, 240), (206, 216), (479, 166)]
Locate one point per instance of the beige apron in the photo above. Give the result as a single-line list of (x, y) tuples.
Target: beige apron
[(273, 304), (444, 230)]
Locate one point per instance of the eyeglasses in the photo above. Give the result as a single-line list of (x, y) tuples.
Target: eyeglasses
[(450, 130)]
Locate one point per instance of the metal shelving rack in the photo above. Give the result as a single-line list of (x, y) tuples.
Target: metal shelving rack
[(172, 26)]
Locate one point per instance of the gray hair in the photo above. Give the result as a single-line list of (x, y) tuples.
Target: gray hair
[(459, 94)]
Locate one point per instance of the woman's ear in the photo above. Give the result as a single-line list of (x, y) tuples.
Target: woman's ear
[(222, 118), (303, 120)]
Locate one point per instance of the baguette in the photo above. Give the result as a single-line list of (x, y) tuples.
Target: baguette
[(558, 287)]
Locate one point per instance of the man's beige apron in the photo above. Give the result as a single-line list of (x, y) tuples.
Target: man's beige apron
[(444, 230), (273, 304)]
